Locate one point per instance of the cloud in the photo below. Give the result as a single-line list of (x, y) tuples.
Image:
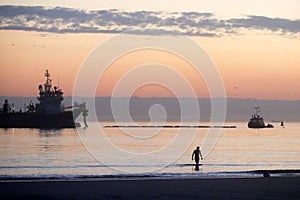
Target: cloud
[(265, 23), (67, 20)]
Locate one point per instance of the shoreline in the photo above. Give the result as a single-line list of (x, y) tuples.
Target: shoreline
[(220, 188), (153, 176)]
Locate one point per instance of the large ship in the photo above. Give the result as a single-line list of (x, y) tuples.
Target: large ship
[(48, 113), (257, 121)]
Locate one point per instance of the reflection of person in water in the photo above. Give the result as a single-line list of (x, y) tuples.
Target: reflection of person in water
[(198, 155)]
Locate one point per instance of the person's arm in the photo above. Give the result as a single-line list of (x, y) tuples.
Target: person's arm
[(201, 155), (193, 155)]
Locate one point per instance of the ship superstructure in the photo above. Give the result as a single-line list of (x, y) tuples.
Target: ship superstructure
[(48, 113), (50, 98)]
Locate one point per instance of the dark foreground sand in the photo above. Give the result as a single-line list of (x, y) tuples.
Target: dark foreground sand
[(238, 188)]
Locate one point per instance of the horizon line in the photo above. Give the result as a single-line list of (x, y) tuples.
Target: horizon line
[(164, 97)]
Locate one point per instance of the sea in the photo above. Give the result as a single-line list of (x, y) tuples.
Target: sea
[(104, 151)]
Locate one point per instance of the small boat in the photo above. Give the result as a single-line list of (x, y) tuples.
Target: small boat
[(48, 113), (257, 121)]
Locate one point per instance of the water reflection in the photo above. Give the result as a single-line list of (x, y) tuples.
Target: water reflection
[(7, 130), (50, 132), (198, 167)]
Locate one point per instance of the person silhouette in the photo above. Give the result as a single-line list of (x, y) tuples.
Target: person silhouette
[(197, 154)]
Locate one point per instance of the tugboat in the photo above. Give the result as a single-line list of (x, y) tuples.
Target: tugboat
[(257, 121), (48, 113)]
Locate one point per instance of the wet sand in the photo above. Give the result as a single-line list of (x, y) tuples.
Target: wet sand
[(225, 188)]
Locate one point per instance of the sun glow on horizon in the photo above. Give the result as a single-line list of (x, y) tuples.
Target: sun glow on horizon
[(253, 66), (155, 59)]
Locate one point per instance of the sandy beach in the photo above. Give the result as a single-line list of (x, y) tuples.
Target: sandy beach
[(225, 188)]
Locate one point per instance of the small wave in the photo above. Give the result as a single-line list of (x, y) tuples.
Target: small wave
[(277, 171), (53, 166), (225, 165), (189, 175), (90, 177), (179, 165)]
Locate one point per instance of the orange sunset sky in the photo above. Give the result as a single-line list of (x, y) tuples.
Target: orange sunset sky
[(254, 45)]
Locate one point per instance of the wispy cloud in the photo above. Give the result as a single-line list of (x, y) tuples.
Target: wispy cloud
[(265, 23), (66, 20)]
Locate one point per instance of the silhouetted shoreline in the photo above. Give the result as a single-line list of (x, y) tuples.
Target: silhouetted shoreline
[(228, 188)]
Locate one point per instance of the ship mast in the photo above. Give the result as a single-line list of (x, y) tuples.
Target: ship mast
[(48, 82), (257, 108)]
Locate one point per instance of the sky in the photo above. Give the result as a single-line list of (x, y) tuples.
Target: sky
[(255, 45)]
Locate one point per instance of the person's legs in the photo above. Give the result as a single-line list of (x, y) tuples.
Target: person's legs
[(197, 164), (197, 161)]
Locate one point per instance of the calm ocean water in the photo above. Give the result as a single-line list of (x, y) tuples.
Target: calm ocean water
[(147, 152)]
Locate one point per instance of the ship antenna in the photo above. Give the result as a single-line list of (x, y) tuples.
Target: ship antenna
[(48, 81), (47, 74), (257, 108), (58, 81)]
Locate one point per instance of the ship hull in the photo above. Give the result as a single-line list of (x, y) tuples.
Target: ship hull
[(258, 123), (38, 120)]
